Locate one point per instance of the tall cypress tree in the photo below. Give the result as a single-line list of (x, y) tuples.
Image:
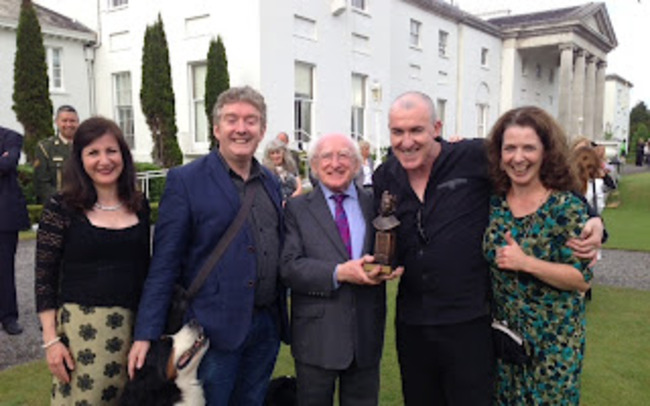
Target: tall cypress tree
[(217, 79), (31, 96), (157, 97)]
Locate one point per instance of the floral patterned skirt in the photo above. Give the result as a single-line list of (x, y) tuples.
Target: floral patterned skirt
[(99, 339)]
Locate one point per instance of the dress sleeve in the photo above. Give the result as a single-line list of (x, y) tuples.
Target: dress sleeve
[(49, 253), (574, 212)]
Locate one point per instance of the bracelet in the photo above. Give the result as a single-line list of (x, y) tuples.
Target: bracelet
[(51, 342)]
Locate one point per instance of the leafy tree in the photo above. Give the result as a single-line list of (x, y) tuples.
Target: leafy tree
[(157, 97), (639, 114), (31, 96), (217, 80)]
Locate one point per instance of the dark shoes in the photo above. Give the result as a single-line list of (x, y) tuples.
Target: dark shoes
[(12, 327)]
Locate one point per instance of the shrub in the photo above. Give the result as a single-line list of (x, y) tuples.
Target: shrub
[(26, 182), (156, 185)]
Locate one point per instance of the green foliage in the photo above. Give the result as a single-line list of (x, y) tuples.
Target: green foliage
[(156, 185), (34, 211), (31, 96), (629, 222), (26, 182), (157, 97), (217, 79), (641, 133)]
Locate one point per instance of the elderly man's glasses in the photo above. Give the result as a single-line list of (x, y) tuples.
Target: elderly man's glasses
[(343, 156)]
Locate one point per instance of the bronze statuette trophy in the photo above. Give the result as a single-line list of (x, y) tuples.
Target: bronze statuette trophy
[(385, 235)]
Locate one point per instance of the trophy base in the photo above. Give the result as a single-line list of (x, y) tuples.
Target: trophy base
[(385, 269)]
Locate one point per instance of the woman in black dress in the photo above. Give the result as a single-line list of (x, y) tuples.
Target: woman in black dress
[(92, 255)]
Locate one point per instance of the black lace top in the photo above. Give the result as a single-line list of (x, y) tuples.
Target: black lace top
[(77, 262)]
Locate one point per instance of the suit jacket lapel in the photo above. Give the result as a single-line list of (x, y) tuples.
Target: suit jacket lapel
[(319, 209)]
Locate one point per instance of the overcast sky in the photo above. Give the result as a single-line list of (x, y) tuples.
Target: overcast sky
[(631, 22)]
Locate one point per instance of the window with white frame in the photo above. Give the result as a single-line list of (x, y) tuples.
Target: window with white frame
[(482, 115), (414, 40), (443, 39), (55, 68), (358, 106), (303, 103), (484, 57), (117, 3), (538, 71), (359, 4), (441, 112), (551, 75), (123, 105), (201, 127)]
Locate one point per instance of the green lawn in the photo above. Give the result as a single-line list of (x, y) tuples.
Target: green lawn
[(616, 370), (628, 224)]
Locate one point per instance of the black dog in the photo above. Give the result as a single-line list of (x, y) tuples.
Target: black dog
[(281, 392)]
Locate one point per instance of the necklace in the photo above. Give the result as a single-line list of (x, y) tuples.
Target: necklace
[(100, 206)]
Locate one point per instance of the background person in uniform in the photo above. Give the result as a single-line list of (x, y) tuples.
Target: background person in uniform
[(338, 310), (52, 153), (13, 217)]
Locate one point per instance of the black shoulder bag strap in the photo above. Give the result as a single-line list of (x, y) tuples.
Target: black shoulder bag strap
[(249, 195)]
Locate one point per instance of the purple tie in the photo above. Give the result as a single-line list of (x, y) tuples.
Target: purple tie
[(341, 220)]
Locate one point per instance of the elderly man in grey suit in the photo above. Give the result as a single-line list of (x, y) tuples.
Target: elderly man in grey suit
[(338, 309)]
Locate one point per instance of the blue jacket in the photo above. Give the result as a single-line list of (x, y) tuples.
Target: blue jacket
[(13, 209), (199, 203)]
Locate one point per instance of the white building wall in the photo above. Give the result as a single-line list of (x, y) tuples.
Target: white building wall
[(76, 88), (616, 116), (477, 84)]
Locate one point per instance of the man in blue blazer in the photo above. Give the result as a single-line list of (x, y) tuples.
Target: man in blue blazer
[(13, 217), (239, 305)]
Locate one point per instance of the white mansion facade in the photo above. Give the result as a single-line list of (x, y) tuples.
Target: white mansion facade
[(335, 65)]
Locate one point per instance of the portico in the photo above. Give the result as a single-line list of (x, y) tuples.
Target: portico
[(574, 42)]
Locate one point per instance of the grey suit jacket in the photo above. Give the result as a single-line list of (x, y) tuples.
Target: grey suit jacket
[(329, 327)]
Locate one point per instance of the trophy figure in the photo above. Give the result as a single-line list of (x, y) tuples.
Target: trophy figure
[(385, 235)]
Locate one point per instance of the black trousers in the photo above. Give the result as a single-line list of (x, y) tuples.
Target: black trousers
[(8, 304), (446, 365), (357, 386)]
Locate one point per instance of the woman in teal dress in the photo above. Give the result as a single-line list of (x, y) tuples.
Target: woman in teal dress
[(538, 283)]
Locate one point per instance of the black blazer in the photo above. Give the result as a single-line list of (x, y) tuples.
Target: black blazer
[(13, 208)]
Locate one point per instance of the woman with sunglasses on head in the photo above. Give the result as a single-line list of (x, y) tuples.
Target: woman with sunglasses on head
[(92, 256)]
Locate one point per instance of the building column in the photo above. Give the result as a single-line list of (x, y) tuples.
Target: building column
[(564, 94), (578, 96), (590, 97), (599, 118)]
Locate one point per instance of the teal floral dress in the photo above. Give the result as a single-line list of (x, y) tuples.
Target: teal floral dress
[(550, 319)]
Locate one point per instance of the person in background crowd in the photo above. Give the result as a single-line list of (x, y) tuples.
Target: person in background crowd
[(640, 147), (338, 309), (92, 257), (279, 161), (538, 285), (364, 177), (443, 332), (52, 153), (241, 305), (13, 218)]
